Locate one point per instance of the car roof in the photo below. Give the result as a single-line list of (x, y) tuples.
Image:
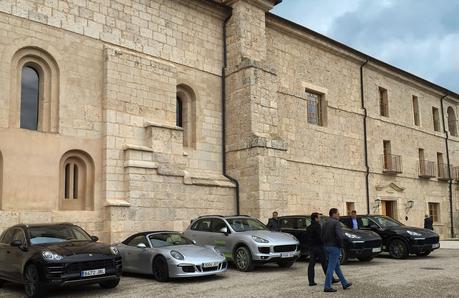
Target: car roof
[(224, 216), (23, 225)]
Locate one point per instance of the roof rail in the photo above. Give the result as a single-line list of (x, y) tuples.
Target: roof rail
[(210, 215)]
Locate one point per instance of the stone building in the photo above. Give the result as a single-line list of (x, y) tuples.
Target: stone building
[(114, 113)]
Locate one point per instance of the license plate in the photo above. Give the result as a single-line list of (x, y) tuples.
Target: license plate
[(376, 249), (94, 272), (286, 255), (208, 265), (436, 245)]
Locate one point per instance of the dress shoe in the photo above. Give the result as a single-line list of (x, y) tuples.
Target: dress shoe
[(331, 290), (347, 286), (335, 281), (311, 284)]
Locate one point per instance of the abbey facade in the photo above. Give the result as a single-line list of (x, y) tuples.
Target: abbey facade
[(123, 116)]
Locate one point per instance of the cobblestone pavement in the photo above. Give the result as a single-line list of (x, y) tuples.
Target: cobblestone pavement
[(433, 276)]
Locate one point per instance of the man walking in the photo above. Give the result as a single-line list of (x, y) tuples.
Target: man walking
[(354, 221), (316, 248), (332, 237), (273, 223)]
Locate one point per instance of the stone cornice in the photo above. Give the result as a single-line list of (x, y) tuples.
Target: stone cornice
[(265, 5)]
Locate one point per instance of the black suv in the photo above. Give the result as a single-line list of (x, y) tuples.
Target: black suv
[(363, 245), (398, 239), (44, 255)]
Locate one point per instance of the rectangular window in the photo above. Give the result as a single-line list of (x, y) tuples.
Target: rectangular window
[(434, 211), (441, 166), (436, 119), (383, 102), (421, 154), (387, 155), (314, 108), (416, 110)]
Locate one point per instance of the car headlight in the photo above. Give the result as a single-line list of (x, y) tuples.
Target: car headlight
[(176, 255), (352, 236), (219, 252), (411, 233), (114, 250), (50, 256), (259, 239)]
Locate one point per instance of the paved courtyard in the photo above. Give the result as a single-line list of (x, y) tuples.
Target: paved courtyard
[(433, 276)]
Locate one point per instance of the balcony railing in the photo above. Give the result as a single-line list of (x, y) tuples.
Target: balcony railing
[(426, 169), (443, 171), (392, 164)]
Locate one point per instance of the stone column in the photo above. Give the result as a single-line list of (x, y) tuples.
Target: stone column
[(254, 146)]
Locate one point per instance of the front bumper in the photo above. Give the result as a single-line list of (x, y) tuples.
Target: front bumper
[(364, 248), (187, 269), (69, 273), (275, 253), (420, 245)]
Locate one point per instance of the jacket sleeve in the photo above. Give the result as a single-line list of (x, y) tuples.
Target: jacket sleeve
[(339, 232), (270, 224)]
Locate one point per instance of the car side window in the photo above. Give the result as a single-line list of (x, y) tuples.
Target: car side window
[(18, 234), (8, 236), (202, 225), (303, 223), (137, 240), (366, 222), (287, 223), (217, 225)]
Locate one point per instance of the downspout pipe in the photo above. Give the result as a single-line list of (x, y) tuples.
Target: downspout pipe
[(365, 138), (223, 103), (450, 181)]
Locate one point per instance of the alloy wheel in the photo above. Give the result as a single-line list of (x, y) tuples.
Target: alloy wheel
[(397, 249), (242, 259), (32, 280)]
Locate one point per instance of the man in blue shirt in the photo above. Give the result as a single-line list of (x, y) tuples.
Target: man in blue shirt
[(354, 221)]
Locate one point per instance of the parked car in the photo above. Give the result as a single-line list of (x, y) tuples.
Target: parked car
[(359, 244), (166, 255), (244, 240), (399, 240), (47, 255)]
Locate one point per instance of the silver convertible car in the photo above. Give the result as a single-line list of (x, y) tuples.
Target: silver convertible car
[(168, 254), (244, 240)]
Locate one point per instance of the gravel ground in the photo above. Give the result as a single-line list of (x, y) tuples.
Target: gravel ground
[(434, 276)]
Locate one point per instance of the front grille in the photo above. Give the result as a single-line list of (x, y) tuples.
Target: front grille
[(284, 248), (431, 240), (99, 264), (210, 269), (373, 243), (188, 269), (55, 270), (263, 250)]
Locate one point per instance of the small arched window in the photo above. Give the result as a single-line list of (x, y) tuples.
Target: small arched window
[(186, 114), (77, 181), (30, 88), (452, 122)]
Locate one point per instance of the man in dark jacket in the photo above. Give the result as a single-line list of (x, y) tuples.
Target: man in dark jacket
[(428, 222), (315, 248), (332, 237), (273, 223)]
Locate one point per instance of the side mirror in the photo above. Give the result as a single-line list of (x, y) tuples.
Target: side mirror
[(94, 238), (141, 245), (16, 243), (224, 230), (373, 227)]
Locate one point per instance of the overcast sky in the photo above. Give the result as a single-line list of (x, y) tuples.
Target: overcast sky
[(419, 36)]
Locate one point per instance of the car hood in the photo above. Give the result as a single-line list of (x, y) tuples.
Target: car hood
[(76, 248), (364, 234), (195, 253), (423, 232), (273, 237)]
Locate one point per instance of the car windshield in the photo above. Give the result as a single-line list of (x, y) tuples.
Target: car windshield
[(246, 224), (386, 221), (57, 233), (168, 239)]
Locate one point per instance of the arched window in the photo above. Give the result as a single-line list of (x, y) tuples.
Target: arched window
[(30, 85), (452, 122), (35, 90), (77, 181), (186, 114)]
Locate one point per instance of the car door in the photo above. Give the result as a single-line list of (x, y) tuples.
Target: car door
[(5, 241), (135, 258), (200, 231), (221, 240), (15, 255)]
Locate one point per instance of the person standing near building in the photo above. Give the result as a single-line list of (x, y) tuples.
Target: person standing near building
[(428, 222), (273, 223), (316, 248), (332, 237), (354, 221)]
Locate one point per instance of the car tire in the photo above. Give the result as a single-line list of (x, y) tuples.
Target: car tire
[(365, 259), (398, 249), (424, 253), (109, 284), (285, 264), (160, 269), (32, 283), (343, 256), (243, 259)]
